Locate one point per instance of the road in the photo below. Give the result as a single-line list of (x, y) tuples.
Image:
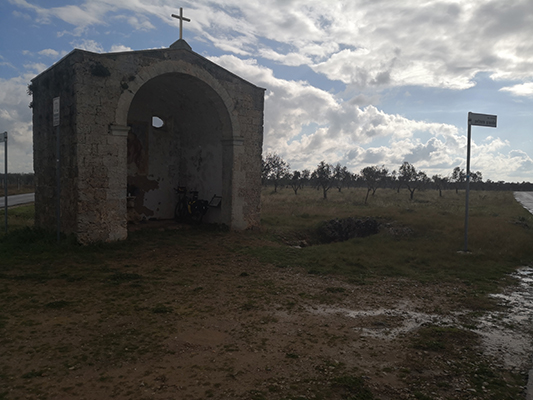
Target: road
[(18, 199), (526, 199)]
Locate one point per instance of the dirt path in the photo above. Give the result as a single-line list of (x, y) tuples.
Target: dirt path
[(197, 323)]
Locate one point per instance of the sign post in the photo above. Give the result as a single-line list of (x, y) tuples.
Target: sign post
[(479, 120), (56, 123), (3, 138)]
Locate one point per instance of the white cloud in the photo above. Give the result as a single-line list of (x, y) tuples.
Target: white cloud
[(345, 132), (90, 14), (7, 64), (15, 118), (19, 14), (117, 48), (380, 45), (377, 44), (142, 24), (523, 89), (49, 53), (514, 166), (89, 45), (351, 135), (37, 68), (291, 59)]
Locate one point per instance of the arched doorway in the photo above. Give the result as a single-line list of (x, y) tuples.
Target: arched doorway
[(177, 127)]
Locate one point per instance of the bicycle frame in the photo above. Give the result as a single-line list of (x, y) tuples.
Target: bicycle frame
[(190, 209)]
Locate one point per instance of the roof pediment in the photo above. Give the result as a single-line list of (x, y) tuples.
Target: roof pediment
[(180, 44)]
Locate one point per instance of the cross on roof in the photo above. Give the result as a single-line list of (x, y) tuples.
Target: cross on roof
[(181, 18)]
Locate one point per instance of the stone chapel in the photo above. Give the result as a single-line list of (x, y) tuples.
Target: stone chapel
[(114, 134)]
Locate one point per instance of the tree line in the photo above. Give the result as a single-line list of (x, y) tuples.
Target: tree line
[(277, 172)]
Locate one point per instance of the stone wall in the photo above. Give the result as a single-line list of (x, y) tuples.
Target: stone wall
[(101, 152), (55, 82)]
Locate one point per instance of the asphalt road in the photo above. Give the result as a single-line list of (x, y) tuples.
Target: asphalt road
[(526, 199), (18, 199)]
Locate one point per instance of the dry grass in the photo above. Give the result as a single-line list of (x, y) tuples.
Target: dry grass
[(499, 234), (16, 189), (18, 217)]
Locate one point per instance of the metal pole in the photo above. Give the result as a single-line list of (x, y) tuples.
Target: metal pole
[(5, 179), (56, 122), (467, 181), (58, 183)]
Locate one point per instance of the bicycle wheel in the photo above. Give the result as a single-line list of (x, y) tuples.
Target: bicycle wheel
[(198, 210), (193, 211), (180, 212)]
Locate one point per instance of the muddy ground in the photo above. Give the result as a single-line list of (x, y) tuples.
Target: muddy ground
[(204, 321)]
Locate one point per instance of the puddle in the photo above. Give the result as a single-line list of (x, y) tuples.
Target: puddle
[(507, 335), (388, 323)]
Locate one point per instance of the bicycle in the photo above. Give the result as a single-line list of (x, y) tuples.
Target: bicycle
[(191, 209)]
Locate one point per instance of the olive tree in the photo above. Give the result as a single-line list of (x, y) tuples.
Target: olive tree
[(440, 183), (296, 181), (341, 176), (411, 178), (374, 177), (274, 169), (323, 177), (458, 177)]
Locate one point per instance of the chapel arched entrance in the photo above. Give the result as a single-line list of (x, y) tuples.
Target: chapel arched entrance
[(178, 124)]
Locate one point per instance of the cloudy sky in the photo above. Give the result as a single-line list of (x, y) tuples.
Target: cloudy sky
[(359, 82)]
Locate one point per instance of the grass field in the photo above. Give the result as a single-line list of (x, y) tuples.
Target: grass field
[(499, 237), (421, 239), (199, 312)]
